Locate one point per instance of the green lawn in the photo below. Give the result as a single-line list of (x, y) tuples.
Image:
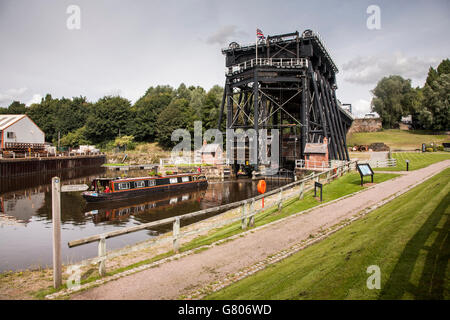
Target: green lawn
[(397, 139), (416, 160), (343, 186), (407, 238)]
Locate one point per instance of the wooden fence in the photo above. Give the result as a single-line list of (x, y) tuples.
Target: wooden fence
[(247, 208)]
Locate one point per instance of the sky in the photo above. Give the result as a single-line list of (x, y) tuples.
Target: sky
[(124, 47)]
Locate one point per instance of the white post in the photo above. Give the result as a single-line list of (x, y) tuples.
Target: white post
[(56, 219), (102, 254), (251, 221), (176, 234), (244, 216), (280, 200), (302, 188)]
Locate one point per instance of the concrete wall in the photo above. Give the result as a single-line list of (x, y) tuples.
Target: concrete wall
[(25, 131), (365, 125)]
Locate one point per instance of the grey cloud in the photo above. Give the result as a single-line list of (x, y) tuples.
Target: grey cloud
[(10, 95), (370, 69), (224, 34)]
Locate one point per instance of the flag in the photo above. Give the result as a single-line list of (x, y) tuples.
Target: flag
[(259, 34)]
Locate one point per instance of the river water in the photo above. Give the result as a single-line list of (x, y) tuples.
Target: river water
[(26, 214)]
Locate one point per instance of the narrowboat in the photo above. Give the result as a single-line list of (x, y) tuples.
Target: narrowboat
[(108, 189)]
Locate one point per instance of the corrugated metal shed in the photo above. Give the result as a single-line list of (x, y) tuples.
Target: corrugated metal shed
[(7, 119)]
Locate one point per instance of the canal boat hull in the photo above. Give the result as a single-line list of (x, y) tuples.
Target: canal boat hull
[(92, 196)]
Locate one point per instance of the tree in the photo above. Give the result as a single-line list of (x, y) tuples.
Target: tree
[(391, 99), (17, 108), (110, 117), (436, 104), (171, 118), (211, 109), (444, 67), (147, 109), (75, 138), (44, 115)]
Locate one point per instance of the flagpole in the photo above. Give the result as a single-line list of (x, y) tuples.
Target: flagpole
[(256, 46)]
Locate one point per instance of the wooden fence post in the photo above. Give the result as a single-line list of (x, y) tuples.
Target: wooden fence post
[(302, 188), (280, 200), (102, 255), (176, 234), (56, 219), (251, 221), (244, 216)]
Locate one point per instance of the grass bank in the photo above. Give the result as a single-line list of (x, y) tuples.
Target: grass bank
[(407, 238), (348, 184), (416, 160), (397, 139)]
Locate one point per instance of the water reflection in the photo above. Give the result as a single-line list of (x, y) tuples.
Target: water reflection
[(25, 215)]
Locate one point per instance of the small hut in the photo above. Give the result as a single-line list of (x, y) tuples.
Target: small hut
[(316, 154), (210, 153)]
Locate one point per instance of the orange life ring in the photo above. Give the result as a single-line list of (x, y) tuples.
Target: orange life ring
[(261, 186)]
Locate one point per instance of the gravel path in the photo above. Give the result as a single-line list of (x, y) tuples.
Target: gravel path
[(178, 277)]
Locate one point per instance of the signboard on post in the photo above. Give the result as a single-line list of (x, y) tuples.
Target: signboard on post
[(318, 185), (74, 187), (364, 169)]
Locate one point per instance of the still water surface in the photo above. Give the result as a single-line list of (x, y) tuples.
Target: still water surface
[(26, 222)]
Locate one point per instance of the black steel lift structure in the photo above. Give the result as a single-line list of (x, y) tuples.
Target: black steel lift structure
[(291, 86)]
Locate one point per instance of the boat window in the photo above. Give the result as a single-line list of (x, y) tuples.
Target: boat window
[(140, 184), (123, 186), (185, 179), (173, 180), (151, 183)]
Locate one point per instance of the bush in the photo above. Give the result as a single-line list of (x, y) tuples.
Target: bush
[(440, 148), (125, 141), (152, 173), (169, 172), (429, 149)]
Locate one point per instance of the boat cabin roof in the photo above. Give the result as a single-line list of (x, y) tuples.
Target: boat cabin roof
[(156, 177)]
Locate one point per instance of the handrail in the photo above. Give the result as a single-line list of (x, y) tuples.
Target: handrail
[(229, 206), (267, 62)]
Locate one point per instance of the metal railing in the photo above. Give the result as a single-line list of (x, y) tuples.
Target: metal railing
[(268, 62), (248, 209)]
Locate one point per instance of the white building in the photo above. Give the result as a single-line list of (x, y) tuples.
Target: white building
[(19, 133)]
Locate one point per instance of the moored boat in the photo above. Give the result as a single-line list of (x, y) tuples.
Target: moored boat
[(107, 189)]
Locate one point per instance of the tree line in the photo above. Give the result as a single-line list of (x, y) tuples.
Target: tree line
[(153, 117), (429, 105)]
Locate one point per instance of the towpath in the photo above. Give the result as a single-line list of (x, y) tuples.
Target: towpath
[(185, 275)]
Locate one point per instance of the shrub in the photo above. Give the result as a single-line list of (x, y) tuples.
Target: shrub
[(429, 149), (152, 173), (440, 148), (169, 172)]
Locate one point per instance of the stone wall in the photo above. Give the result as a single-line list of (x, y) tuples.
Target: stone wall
[(365, 125)]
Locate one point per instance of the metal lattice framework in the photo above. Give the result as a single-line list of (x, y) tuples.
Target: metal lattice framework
[(291, 86)]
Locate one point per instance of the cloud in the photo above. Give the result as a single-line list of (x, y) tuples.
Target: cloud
[(35, 99), (360, 107), (11, 95), (224, 34), (371, 69)]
